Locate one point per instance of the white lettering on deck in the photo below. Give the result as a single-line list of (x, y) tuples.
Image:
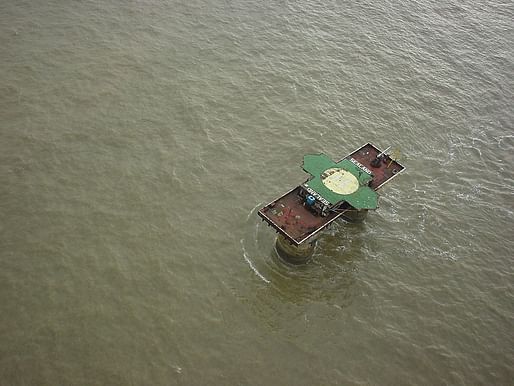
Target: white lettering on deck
[(360, 166)]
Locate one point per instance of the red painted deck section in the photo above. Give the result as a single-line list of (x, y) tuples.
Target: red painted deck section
[(292, 219), (381, 174)]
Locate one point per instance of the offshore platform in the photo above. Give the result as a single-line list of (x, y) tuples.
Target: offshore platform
[(346, 189)]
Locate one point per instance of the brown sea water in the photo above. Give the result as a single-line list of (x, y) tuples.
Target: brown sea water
[(138, 139)]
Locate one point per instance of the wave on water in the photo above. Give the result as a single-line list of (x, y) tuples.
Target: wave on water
[(246, 254), (252, 266)]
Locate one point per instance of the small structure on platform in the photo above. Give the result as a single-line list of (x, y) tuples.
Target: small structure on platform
[(344, 189)]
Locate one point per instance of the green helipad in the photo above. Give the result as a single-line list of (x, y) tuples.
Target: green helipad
[(341, 181)]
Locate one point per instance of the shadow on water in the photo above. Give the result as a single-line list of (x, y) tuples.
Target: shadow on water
[(328, 276)]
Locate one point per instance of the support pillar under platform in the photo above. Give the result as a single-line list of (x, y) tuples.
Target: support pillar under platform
[(293, 254), (355, 215)]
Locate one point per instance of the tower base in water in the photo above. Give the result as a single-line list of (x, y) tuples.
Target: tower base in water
[(293, 254), (355, 215)]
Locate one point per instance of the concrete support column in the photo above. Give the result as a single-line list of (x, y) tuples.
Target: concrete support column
[(355, 215), (294, 254)]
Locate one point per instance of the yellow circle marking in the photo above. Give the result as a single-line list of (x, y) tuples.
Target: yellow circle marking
[(340, 181)]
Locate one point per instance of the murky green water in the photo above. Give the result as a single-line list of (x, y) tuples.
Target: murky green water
[(138, 139)]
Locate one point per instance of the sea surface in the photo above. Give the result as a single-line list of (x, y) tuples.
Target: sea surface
[(139, 138)]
